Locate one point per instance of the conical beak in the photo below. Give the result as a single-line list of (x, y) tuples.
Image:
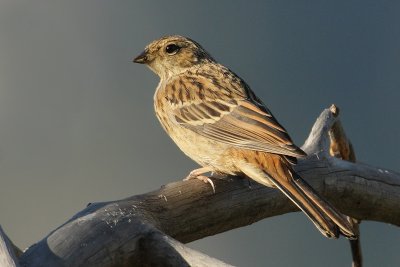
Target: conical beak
[(142, 58)]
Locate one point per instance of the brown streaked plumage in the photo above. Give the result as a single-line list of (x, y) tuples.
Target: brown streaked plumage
[(216, 119)]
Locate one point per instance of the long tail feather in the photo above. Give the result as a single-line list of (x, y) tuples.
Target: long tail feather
[(280, 174), (297, 196), (346, 228)]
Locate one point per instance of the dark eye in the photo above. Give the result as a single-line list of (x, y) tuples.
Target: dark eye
[(172, 49)]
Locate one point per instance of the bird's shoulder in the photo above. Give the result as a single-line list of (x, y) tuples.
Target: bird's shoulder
[(206, 83)]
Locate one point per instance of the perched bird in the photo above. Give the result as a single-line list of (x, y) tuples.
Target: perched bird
[(217, 120)]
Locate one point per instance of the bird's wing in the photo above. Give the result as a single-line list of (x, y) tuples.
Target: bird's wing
[(233, 116)]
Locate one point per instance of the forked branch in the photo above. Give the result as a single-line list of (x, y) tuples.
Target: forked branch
[(129, 232)]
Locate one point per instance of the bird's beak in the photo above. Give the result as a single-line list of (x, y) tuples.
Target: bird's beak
[(142, 58)]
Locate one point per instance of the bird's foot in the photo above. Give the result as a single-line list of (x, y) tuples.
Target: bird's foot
[(197, 174)]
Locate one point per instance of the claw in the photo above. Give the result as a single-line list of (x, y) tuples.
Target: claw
[(208, 180), (203, 178)]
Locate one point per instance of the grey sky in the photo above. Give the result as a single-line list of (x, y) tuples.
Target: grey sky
[(77, 122)]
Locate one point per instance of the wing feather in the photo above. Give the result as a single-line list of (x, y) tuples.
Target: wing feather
[(239, 119)]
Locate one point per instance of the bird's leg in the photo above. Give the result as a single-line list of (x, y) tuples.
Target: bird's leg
[(198, 174)]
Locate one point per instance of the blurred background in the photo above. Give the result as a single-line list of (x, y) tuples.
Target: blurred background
[(77, 122)]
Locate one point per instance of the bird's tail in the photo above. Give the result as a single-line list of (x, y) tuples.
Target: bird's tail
[(329, 221)]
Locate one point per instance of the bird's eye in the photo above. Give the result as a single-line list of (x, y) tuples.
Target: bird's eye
[(172, 49)]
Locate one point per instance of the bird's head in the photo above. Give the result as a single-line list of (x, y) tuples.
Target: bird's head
[(172, 55)]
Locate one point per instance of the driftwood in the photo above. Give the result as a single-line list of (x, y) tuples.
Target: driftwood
[(149, 229), (8, 252), (341, 147)]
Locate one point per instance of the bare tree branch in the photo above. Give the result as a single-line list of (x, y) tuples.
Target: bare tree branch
[(161, 250), (121, 233), (341, 147), (8, 257)]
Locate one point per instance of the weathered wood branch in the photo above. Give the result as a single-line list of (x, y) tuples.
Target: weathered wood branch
[(8, 252), (125, 232), (158, 249), (341, 147)]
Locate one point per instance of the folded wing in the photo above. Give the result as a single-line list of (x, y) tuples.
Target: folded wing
[(240, 120)]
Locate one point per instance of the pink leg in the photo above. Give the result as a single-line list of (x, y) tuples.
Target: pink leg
[(197, 174)]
